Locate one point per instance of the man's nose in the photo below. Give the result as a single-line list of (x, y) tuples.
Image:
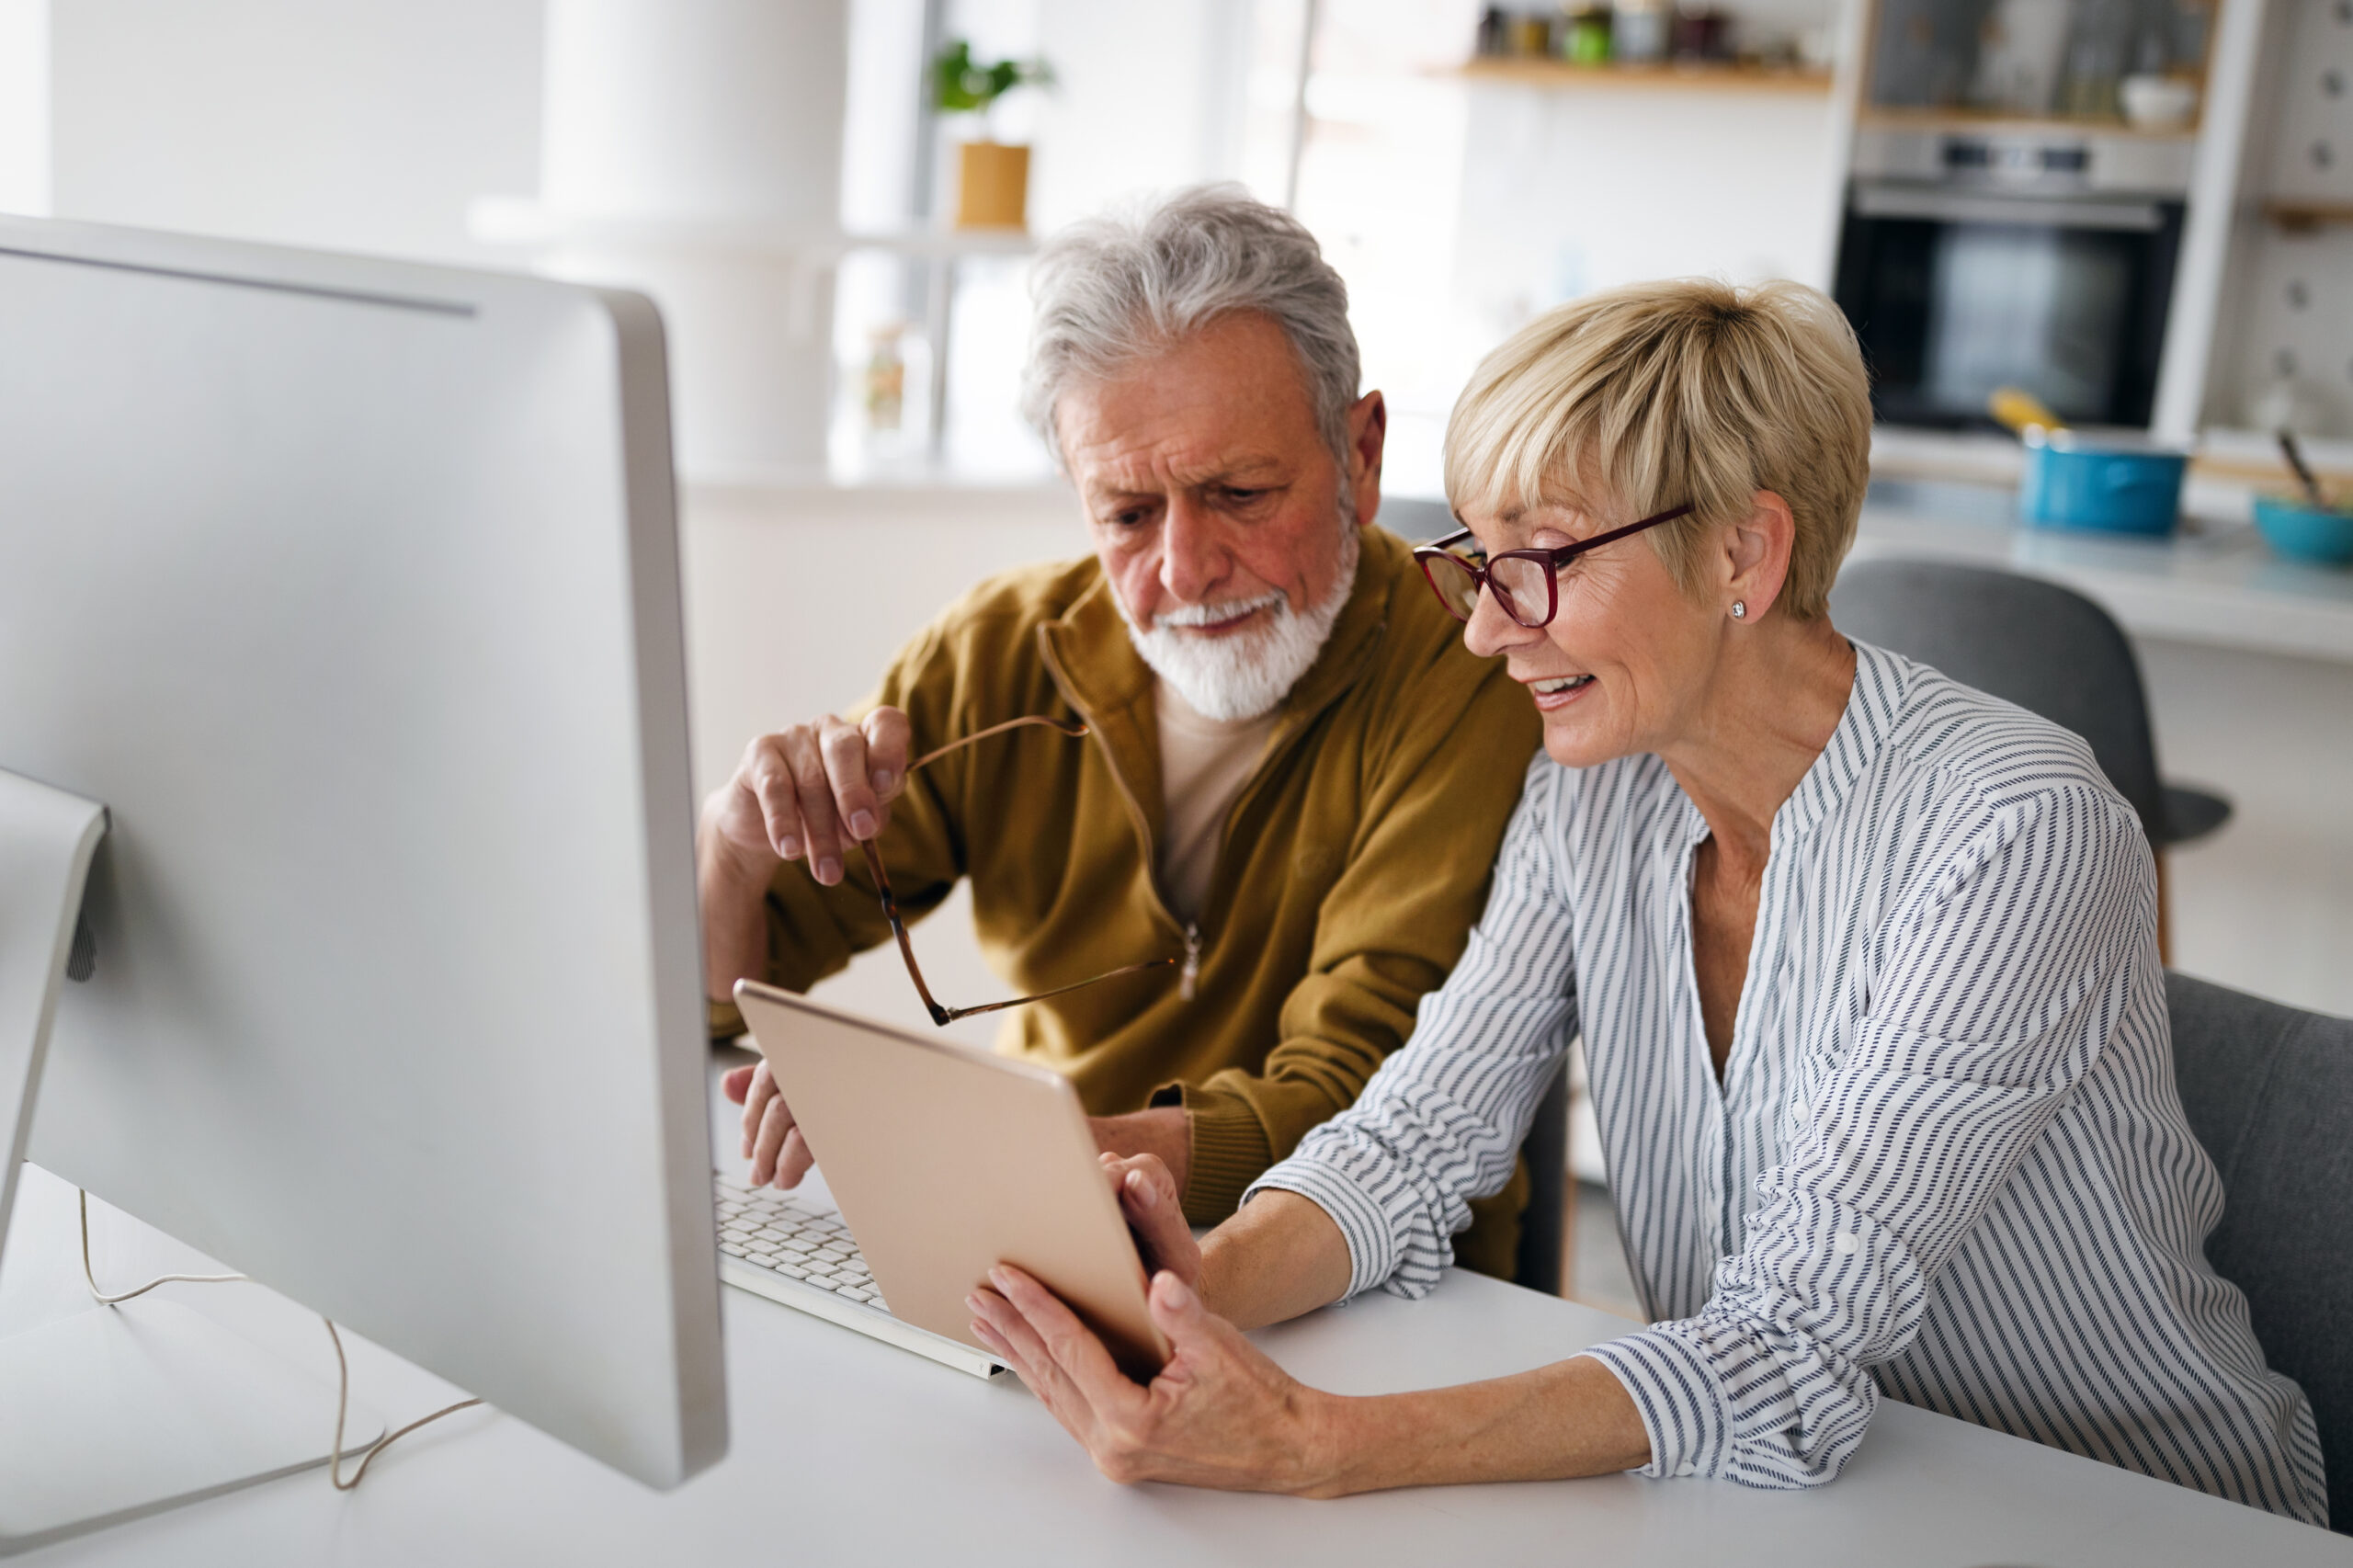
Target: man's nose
[(1193, 558)]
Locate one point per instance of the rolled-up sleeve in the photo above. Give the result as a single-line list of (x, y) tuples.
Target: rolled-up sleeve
[(1441, 1122), (2005, 981)]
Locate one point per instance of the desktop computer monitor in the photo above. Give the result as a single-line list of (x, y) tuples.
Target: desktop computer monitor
[(349, 589)]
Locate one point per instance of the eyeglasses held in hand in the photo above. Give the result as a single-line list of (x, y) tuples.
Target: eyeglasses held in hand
[(940, 1014), (1526, 582)]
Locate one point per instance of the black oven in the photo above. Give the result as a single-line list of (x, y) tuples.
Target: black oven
[(1972, 261)]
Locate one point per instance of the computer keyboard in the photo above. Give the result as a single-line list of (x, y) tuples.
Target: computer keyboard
[(781, 1246)]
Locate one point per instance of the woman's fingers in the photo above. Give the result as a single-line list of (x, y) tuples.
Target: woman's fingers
[(1033, 1361), (1155, 1213), (1071, 1346)]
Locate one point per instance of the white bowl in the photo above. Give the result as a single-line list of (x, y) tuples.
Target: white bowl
[(2157, 103)]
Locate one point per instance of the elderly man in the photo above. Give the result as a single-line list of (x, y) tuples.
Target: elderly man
[(1262, 797)]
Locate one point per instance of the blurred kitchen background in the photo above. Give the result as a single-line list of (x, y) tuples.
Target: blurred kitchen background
[(2139, 211)]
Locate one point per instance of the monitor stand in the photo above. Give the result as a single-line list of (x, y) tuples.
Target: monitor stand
[(117, 1411)]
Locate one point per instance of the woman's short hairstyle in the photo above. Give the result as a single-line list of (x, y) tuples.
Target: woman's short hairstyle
[(1634, 399), (1113, 289)]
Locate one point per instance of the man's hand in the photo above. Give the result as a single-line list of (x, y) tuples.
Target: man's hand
[(1220, 1414), (1165, 1133), (808, 792), (772, 1141), (788, 800), (1156, 1214)]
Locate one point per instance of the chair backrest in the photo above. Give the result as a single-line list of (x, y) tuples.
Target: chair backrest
[(2046, 648), (1539, 1263), (2269, 1093)]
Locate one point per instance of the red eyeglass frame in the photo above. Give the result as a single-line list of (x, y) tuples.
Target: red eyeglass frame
[(1429, 556)]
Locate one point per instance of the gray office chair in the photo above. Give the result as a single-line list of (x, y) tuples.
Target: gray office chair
[(1539, 1263), (2269, 1093), (2046, 648)]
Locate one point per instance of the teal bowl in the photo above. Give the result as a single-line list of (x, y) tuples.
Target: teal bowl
[(2302, 532)]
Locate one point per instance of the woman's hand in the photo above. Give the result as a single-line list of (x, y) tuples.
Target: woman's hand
[(1156, 1215), (1219, 1415)]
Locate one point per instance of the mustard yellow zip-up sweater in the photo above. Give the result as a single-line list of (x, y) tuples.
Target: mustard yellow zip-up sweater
[(1352, 866)]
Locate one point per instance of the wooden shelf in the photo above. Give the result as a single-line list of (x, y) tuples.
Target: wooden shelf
[(2308, 217), (1968, 119), (1678, 76)]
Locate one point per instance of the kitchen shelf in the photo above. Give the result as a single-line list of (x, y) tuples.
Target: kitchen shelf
[(1881, 117), (1675, 75), (2308, 217)]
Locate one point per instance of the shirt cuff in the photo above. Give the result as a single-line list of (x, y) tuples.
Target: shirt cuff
[(1372, 1248), (1682, 1404), (1230, 1149)]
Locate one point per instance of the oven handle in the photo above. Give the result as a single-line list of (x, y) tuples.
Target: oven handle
[(2036, 213)]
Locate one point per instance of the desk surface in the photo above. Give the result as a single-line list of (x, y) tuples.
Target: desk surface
[(844, 1449)]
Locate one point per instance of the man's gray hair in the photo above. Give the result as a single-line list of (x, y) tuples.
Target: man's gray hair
[(1113, 289)]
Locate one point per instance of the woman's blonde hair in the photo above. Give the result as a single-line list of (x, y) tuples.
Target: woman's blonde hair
[(1638, 399)]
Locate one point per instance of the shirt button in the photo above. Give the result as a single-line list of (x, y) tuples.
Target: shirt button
[(1686, 1470), (1845, 1243)]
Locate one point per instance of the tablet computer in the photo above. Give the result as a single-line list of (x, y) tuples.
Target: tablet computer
[(948, 1161)]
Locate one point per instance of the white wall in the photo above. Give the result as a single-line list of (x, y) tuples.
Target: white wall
[(360, 125), (24, 107)]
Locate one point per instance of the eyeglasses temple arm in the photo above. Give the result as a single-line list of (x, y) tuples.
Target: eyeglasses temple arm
[(939, 1015), (952, 1014), (1072, 727)]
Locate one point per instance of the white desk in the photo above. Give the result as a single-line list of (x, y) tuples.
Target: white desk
[(846, 1451)]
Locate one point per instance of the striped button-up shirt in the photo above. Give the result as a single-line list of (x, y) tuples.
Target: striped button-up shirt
[(1946, 1162)]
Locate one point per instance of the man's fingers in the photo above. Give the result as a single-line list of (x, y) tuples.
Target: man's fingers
[(736, 1085), (769, 778), (846, 769), (815, 796), (889, 746), (758, 1090), (796, 1160), (775, 1126)]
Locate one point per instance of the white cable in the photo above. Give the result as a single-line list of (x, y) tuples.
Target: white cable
[(342, 1366)]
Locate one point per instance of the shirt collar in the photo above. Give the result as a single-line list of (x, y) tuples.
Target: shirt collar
[(1863, 730)]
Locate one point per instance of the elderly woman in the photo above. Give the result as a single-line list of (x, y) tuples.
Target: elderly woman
[(1866, 967)]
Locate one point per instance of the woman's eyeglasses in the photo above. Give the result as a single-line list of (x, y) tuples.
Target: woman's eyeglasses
[(941, 1013), (1526, 582)]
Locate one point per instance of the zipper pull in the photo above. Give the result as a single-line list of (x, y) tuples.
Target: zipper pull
[(1190, 974)]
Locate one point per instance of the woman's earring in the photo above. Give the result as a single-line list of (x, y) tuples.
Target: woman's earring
[(1740, 610)]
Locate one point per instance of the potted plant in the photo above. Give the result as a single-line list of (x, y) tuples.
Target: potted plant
[(992, 179)]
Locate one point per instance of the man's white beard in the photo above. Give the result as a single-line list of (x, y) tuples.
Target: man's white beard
[(1243, 675)]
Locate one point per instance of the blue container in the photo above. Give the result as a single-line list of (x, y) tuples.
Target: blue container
[(2111, 488), (2302, 533)]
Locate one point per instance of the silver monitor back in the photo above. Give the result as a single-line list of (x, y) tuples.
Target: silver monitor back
[(350, 587)]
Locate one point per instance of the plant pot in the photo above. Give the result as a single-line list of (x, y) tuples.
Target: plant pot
[(991, 185)]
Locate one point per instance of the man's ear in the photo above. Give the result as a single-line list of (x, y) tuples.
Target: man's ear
[(1756, 550), (1368, 434)]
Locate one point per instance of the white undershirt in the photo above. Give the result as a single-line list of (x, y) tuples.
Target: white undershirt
[(1204, 763)]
